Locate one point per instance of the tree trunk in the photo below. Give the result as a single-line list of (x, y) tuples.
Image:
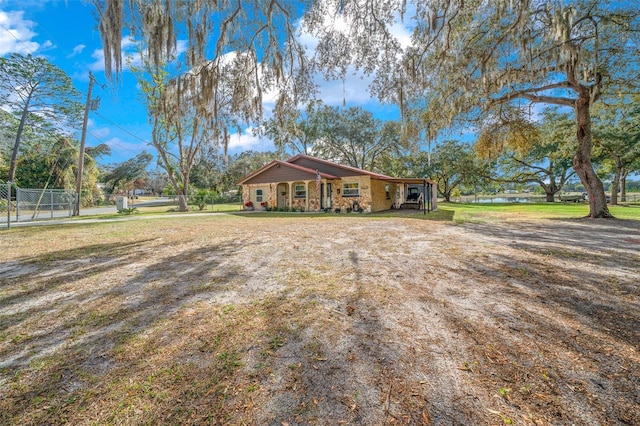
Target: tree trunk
[(183, 205), (551, 189), (582, 161), (16, 146), (623, 186), (183, 199), (615, 184)]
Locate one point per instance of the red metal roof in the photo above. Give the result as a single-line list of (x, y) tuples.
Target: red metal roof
[(285, 164)]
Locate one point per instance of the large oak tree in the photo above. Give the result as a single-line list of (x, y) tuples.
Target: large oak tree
[(465, 57), (235, 52), (250, 43), (469, 57), (524, 152), (477, 56), (617, 137)]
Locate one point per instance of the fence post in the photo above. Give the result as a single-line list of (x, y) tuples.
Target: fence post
[(8, 205), (17, 203)]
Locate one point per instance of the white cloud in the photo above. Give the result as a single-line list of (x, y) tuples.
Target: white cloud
[(47, 45), (354, 89), (402, 33), (16, 34), (97, 132), (129, 52), (77, 50), (118, 145), (248, 141), (98, 64)]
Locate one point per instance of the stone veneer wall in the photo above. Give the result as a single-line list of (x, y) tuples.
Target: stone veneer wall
[(269, 194), (372, 194), (342, 203), (314, 197)]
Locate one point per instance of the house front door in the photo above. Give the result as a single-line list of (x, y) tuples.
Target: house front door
[(282, 196), (325, 196)]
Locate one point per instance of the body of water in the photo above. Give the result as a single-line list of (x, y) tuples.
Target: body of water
[(631, 198), (505, 199)]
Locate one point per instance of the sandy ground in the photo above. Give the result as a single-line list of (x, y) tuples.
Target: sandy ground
[(350, 320)]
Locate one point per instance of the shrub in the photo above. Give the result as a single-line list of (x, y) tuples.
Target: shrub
[(129, 211)]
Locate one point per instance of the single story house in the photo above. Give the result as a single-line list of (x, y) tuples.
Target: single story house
[(312, 184)]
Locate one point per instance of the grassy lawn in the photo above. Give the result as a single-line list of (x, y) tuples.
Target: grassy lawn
[(526, 211), (484, 315), (461, 212), (456, 212), (159, 209), (171, 205)]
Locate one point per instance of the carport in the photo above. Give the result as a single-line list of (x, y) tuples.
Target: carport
[(415, 193)]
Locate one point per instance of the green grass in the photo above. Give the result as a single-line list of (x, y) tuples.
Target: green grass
[(168, 209), (448, 212), (172, 207), (523, 211), (487, 212)]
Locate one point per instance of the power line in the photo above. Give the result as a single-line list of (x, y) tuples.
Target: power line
[(111, 142), (121, 128), (29, 49)]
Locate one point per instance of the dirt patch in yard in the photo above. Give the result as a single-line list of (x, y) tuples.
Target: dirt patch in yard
[(321, 320)]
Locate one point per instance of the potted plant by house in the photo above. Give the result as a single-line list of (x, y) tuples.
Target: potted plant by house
[(264, 205), (248, 206)]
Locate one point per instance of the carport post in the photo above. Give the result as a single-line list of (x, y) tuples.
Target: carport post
[(424, 197)]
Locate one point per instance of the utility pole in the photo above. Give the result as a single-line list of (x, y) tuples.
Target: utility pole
[(82, 142)]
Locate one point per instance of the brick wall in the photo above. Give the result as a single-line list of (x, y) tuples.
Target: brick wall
[(364, 199), (379, 195)]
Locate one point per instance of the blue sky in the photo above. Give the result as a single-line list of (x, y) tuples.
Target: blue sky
[(65, 32)]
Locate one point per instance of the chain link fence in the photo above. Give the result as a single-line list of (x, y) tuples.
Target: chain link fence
[(25, 204), (5, 203)]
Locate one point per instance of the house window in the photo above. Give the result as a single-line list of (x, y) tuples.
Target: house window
[(386, 191), (259, 195), (299, 191), (351, 189)]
